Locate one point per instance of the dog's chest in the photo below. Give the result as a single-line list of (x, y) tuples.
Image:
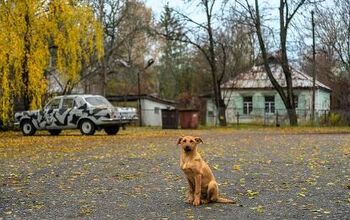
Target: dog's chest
[(188, 167)]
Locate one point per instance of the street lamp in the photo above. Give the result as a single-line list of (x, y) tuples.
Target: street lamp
[(149, 63)]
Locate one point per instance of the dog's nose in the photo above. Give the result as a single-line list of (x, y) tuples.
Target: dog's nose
[(187, 148)]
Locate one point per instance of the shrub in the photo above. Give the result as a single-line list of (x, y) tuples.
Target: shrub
[(335, 119), (332, 118)]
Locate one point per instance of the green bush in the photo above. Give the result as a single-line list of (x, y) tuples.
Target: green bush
[(333, 119)]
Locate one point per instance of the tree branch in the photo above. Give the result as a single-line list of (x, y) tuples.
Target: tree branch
[(187, 18), (294, 12)]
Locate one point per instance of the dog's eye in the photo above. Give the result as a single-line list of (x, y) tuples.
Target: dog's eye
[(191, 141), (184, 141)]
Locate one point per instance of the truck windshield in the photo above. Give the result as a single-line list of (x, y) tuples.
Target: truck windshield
[(98, 101), (53, 104)]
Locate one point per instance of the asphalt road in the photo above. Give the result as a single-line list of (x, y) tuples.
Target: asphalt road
[(136, 175)]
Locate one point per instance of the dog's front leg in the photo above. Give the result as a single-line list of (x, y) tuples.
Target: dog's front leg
[(190, 192), (197, 189)]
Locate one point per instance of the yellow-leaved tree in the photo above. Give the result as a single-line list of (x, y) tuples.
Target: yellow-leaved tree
[(28, 29)]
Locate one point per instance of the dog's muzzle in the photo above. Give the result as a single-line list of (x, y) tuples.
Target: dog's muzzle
[(187, 149)]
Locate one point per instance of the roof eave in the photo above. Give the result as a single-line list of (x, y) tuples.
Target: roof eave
[(272, 88)]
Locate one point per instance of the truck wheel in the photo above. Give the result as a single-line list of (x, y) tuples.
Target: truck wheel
[(55, 131), (28, 128), (112, 130), (87, 127)]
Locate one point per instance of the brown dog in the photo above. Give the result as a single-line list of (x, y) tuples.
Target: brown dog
[(202, 185)]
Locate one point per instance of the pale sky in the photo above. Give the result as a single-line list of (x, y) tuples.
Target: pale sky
[(195, 12), (158, 5), (190, 9)]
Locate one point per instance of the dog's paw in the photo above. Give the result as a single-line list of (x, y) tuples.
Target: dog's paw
[(196, 202), (204, 201), (189, 200)]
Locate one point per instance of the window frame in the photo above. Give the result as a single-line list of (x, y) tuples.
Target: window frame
[(48, 106), (72, 103), (270, 105), (156, 110), (247, 105)]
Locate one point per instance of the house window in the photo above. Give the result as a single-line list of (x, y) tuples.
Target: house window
[(156, 110), (269, 104), (247, 105), (296, 101)]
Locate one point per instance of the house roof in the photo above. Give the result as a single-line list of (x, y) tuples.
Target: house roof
[(142, 96), (256, 78)]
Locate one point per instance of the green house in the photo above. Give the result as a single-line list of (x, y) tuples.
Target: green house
[(251, 97)]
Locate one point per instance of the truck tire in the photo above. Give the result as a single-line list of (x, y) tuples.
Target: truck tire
[(87, 127), (27, 128), (112, 130)]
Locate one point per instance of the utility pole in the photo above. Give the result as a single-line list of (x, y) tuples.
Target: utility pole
[(348, 44), (313, 69), (139, 98)]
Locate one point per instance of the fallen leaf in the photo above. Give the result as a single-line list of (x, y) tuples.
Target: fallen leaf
[(236, 167), (301, 194), (251, 194), (259, 209)]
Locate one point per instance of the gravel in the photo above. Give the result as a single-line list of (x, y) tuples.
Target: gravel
[(135, 175)]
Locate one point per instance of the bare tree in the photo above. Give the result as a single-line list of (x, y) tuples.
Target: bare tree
[(287, 12), (201, 35), (111, 14), (332, 25), (239, 43), (333, 30), (326, 68), (125, 25)]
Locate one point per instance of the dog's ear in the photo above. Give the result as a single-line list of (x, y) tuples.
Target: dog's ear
[(198, 140), (179, 141)]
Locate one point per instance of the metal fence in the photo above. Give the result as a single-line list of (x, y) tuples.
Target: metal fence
[(280, 117)]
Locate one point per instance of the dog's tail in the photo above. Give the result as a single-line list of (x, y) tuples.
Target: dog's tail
[(227, 201)]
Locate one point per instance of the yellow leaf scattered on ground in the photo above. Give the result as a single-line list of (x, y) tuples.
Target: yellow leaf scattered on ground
[(251, 194), (236, 167), (259, 209)]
